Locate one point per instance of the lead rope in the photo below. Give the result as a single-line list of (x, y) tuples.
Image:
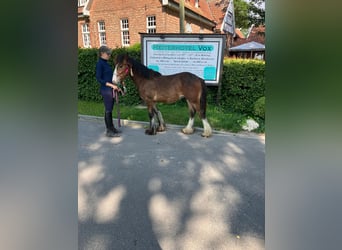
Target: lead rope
[(115, 93)]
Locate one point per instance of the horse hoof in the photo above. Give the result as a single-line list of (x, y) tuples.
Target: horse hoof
[(150, 132), (205, 135), (187, 131), (161, 129)]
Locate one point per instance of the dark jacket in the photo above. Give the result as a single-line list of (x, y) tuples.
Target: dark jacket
[(104, 73)]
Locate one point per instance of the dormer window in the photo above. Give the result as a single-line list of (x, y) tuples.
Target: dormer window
[(82, 2)]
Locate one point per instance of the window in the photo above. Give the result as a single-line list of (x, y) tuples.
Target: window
[(124, 32), (82, 2), (102, 33), (188, 28), (86, 35), (151, 24)]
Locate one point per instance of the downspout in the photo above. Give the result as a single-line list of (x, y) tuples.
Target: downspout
[(181, 16)]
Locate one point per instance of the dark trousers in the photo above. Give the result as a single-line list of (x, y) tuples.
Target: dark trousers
[(108, 100)]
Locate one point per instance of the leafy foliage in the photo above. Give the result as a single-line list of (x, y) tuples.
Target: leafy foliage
[(246, 13), (88, 88), (259, 107), (243, 82), (256, 14), (240, 11)]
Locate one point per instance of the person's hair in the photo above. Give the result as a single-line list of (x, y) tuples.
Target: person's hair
[(104, 49)]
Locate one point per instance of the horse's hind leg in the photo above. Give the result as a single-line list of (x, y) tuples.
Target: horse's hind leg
[(207, 131), (199, 106), (207, 128), (189, 127)]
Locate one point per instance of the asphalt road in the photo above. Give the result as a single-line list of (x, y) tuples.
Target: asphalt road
[(169, 191)]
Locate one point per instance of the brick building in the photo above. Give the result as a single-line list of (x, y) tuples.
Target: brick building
[(117, 23)]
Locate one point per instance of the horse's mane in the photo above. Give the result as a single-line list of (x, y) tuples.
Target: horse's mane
[(141, 69)]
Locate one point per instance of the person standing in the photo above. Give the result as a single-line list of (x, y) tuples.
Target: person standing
[(104, 75)]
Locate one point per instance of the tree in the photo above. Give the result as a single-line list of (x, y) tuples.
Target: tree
[(240, 11), (247, 12), (256, 13)]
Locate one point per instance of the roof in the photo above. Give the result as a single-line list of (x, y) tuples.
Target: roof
[(238, 33), (217, 12), (203, 9), (256, 34), (251, 46)]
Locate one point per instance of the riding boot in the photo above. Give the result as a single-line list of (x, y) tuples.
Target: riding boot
[(111, 131)]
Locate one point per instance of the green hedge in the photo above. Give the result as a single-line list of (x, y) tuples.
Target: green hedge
[(243, 81), (259, 107)]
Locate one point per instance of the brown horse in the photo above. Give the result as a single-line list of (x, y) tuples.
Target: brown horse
[(154, 87)]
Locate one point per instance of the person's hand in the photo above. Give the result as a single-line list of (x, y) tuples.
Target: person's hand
[(114, 87), (117, 88)]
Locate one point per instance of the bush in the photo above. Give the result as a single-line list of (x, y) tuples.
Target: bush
[(243, 82), (259, 107), (88, 88)]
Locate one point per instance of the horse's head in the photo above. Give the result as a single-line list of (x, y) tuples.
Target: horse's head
[(122, 68)]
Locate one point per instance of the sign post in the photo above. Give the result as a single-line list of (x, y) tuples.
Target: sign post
[(200, 54)]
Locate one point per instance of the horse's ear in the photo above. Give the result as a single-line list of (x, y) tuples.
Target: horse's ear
[(116, 59), (128, 60), (119, 58)]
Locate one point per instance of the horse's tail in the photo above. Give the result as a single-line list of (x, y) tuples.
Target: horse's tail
[(203, 100)]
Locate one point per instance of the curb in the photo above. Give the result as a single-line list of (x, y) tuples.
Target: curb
[(132, 123)]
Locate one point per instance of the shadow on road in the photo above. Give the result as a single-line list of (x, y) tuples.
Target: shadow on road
[(169, 191)]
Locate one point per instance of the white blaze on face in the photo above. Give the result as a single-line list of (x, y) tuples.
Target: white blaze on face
[(115, 78)]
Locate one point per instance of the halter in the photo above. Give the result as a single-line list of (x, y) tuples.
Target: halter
[(125, 72), (129, 68)]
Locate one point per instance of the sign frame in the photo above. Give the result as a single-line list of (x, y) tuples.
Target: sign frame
[(170, 53)]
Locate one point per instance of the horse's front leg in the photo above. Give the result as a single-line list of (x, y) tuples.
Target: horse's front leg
[(161, 126), (152, 130)]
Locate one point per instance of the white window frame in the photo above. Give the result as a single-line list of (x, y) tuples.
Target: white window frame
[(188, 28), (86, 35), (125, 41), (101, 27), (82, 3), (151, 24)]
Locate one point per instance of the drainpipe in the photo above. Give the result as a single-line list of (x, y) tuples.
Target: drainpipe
[(181, 16)]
